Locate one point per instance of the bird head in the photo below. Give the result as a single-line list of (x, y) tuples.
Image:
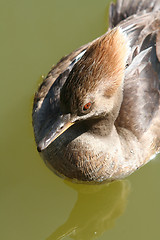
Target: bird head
[(94, 86)]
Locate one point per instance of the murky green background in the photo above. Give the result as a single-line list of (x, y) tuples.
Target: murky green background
[(34, 203)]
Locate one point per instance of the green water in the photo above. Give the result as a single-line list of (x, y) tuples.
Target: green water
[(34, 203)]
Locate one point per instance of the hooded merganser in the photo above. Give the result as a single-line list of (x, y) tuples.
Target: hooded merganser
[(96, 116)]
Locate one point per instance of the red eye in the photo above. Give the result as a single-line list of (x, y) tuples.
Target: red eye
[(87, 106)]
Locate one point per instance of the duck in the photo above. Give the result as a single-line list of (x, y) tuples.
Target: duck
[(96, 115)]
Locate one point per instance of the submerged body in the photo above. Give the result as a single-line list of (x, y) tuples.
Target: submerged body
[(96, 116)]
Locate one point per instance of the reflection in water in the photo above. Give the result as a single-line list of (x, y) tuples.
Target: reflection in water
[(95, 211)]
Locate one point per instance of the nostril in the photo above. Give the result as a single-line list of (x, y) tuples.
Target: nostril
[(61, 127)]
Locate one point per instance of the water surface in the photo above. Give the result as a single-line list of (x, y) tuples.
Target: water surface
[(35, 204)]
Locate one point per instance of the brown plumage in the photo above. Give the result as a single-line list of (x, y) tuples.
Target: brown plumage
[(96, 115), (99, 66)]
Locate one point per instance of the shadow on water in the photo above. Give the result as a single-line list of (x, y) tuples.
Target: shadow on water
[(90, 219)]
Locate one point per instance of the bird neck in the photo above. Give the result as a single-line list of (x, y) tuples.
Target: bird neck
[(104, 126), (101, 127)]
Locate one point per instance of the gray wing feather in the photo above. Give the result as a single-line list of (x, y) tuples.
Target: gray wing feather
[(125, 8), (142, 77)]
